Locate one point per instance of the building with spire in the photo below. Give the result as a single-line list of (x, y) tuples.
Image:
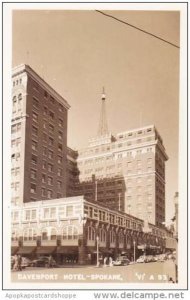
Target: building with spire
[(127, 172)]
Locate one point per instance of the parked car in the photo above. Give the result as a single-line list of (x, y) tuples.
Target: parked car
[(26, 262), (43, 261), (141, 259), (121, 261)]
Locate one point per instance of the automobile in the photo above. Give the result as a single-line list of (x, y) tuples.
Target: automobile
[(26, 262), (121, 261), (43, 261), (149, 258), (141, 259), (12, 262)]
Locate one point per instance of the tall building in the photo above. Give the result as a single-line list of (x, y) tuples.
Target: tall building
[(38, 138), (127, 172)]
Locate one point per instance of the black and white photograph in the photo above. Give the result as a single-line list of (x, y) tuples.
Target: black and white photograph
[(97, 143)]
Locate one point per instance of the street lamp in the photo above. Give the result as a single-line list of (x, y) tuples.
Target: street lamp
[(96, 190), (97, 250), (119, 201), (134, 244)]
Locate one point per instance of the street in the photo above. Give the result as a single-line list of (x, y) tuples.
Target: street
[(157, 272)]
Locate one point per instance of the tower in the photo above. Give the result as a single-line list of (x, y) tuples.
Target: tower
[(38, 138), (103, 127)]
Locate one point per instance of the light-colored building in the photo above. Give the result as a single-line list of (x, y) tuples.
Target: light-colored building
[(70, 228), (39, 138), (127, 172)]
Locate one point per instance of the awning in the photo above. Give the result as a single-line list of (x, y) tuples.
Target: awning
[(26, 250), (45, 250), (66, 250), (14, 250)]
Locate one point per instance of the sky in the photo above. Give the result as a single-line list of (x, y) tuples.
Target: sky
[(79, 52)]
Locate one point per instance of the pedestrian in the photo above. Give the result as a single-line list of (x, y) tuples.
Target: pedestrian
[(105, 261), (19, 263), (50, 261), (171, 280), (110, 261), (15, 265)]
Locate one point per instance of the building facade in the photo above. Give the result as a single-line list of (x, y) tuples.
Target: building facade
[(127, 173), (38, 138), (70, 228)]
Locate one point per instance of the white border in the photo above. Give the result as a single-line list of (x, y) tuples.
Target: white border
[(7, 46)]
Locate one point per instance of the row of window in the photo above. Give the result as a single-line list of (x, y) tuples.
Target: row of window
[(17, 81), (111, 218), (17, 103), (48, 212), (110, 169), (16, 128), (119, 155), (129, 164), (134, 133)]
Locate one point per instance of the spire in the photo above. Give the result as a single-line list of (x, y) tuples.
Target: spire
[(103, 127)]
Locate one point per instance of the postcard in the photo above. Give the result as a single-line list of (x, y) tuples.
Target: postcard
[(95, 146)]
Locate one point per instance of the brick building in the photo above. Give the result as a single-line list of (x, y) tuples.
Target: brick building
[(68, 229), (38, 138)]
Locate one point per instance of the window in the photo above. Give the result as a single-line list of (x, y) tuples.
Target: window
[(59, 172), (43, 192), (51, 114), (53, 235), (35, 102), (45, 111), (59, 184), (52, 212), (45, 125), (44, 234), (60, 135), (34, 117), (51, 141), (49, 194), (44, 151), (50, 180), (44, 164), (69, 210), (34, 145), (149, 169), (34, 130), (60, 107), (112, 237), (33, 174), (30, 234), (44, 137), (70, 232), (45, 94), (51, 128), (50, 154), (14, 104), (43, 178), (60, 148), (102, 235), (33, 188), (52, 100), (60, 122), (149, 161), (50, 167), (59, 159), (34, 159), (91, 233)]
